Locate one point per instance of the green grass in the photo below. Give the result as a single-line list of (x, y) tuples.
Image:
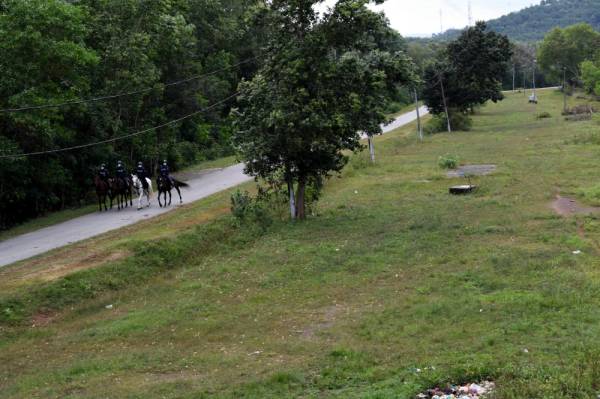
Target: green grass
[(388, 276)]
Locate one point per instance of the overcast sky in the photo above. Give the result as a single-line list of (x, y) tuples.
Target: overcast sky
[(422, 17)]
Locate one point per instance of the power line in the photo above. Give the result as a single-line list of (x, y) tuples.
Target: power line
[(130, 93), (76, 147)]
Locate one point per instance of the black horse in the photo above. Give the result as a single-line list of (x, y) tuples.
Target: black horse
[(103, 192), (165, 185)]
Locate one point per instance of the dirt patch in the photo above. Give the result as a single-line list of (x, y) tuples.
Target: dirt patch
[(565, 206), (472, 170), (59, 265), (327, 320), (42, 319)]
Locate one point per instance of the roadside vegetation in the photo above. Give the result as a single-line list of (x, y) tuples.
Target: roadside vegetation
[(389, 287)]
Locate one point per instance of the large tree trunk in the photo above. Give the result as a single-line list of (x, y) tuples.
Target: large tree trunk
[(300, 205), (290, 184), (372, 149)]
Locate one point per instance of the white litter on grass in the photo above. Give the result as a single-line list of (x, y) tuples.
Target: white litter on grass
[(578, 252), (355, 191), (109, 306), (254, 353)]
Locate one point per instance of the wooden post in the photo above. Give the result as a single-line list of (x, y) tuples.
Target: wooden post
[(445, 105), (419, 127)]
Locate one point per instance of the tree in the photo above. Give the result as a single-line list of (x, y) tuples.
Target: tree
[(469, 71), (324, 81), (567, 49), (54, 51), (590, 75), (44, 60)]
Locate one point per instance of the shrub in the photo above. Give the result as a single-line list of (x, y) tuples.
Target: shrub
[(459, 121), (448, 161), (543, 115), (251, 210)]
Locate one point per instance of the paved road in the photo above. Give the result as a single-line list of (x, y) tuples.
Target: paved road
[(84, 227)]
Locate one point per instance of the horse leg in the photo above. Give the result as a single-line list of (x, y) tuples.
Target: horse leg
[(140, 199), (179, 192), (159, 203), (170, 197)]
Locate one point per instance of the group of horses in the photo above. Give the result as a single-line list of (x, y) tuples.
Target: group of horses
[(121, 191)]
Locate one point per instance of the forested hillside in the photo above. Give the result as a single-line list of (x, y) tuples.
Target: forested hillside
[(532, 23), (56, 52)]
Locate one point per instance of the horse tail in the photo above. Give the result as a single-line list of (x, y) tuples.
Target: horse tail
[(180, 183)]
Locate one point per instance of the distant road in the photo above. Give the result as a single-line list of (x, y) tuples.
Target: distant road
[(31, 244)]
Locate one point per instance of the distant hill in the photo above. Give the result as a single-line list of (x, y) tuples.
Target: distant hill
[(532, 23)]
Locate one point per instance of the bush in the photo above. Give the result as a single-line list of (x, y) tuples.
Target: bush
[(459, 121), (543, 115), (448, 161), (251, 210)]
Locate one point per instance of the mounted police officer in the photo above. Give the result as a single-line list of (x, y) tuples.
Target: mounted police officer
[(121, 173), (165, 172), (141, 173), (103, 173)]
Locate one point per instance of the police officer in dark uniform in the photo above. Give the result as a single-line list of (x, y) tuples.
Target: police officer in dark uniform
[(140, 171), (165, 172), (103, 173), (120, 172)]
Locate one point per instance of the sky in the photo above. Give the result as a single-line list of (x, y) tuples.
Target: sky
[(422, 17)]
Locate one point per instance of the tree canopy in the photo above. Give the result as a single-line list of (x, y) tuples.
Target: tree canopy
[(567, 49), (469, 70), (324, 81), (56, 51)]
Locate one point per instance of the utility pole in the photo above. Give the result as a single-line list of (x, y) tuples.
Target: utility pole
[(514, 71), (470, 14), (419, 127), (445, 105), (533, 83), (524, 83), (565, 89)]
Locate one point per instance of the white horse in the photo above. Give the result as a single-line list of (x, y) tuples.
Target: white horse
[(139, 189)]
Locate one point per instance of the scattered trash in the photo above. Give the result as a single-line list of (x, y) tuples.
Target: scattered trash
[(468, 391), (355, 191), (255, 353), (109, 306), (525, 350), (578, 252)]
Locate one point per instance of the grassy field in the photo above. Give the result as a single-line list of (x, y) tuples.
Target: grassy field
[(390, 287)]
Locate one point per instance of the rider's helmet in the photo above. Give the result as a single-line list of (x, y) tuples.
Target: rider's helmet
[(164, 162), (119, 163), (139, 164), (103, 166)]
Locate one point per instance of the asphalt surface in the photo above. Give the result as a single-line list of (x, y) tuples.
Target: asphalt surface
[(38, 242)]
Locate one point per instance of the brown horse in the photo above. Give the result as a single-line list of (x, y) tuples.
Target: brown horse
[(103, 192)]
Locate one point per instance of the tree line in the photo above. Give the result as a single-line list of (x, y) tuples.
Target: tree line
[(57, 51), (301, 89)]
